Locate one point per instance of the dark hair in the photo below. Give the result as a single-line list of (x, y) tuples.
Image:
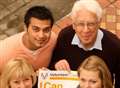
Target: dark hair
[(39, 12)]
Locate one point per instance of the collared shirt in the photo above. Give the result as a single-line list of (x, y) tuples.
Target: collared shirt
[(97, 44)]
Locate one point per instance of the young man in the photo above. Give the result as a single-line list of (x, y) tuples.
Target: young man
[(36, 43), (84, 38)]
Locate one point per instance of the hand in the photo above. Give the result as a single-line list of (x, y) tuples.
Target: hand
[(62, 65), (43, 68)]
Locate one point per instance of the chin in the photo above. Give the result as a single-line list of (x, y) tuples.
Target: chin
[(40, 46)]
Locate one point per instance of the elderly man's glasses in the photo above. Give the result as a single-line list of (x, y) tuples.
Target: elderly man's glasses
[(89, 25)]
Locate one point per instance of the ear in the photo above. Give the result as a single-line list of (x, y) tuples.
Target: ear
[(73, 25), (25, 28), (99, 22)]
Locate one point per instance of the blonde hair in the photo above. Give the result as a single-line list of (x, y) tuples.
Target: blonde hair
[(90, 5), (17, 67), (95, 63)]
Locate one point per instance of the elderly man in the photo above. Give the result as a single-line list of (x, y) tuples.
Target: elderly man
[(84, 38)]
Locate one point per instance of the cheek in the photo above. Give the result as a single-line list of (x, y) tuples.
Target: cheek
[(13, 85), (97, 86), (47, 36), (32, 37), (82, 84), (29, 83), (100, 85), (79, 33), (94, 34)]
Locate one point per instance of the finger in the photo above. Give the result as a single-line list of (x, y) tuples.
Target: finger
[(62, 65), (67, 66), (44, 68), (59, 66)]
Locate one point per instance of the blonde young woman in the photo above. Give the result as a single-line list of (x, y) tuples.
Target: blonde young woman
[(94, 73), (18, 73)]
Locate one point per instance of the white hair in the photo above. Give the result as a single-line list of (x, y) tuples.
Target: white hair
[(90, 5)]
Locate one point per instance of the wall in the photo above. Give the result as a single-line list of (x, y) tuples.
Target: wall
[(111, 17), (12, 12)]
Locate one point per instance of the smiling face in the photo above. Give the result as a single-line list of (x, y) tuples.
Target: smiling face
[(38, 33), (22, 82), (90, 79), (86, 26)]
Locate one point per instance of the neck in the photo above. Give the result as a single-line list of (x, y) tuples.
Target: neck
[(88, 46)]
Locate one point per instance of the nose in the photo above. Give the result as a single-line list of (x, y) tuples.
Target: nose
[(87, 85), (86, 29), (41, 34), (22, 85)]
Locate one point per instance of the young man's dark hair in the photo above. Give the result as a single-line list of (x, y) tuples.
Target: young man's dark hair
[(39, 12)]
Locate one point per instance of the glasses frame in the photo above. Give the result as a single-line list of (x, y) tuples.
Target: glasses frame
[(89, 25)]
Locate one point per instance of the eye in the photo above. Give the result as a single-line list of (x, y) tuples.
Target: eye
[(35, 28), (27, 79), (82, 79), (46, 30), (79, 24), (93, 81), (91, 24), (16, 81)]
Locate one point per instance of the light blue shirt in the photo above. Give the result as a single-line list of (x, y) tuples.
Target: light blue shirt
[(97, 44)]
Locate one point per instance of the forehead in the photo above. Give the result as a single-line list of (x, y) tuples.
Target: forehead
[(89, 74), (39, 23), (85, 15), (19, 76), (21, 73)]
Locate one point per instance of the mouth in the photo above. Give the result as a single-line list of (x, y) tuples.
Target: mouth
[(41, 41), (87, 36)]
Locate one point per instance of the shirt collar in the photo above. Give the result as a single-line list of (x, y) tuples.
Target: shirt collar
[(97, 44)]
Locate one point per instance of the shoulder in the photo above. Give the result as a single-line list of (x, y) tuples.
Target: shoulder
[(108, 33), (53, 36), (10, 42), (53, 39), (14, 37), (67, 30), (66, 33), (110, 38)]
